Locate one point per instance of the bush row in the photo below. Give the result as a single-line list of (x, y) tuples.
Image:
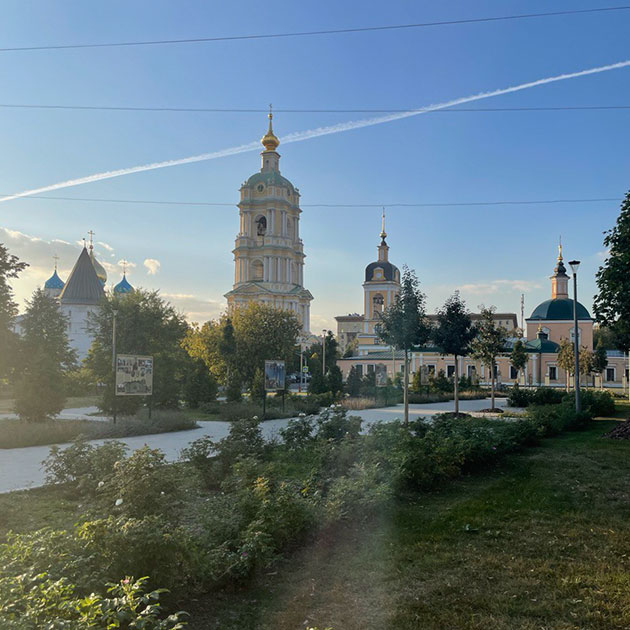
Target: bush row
[(599, 402), (231, 506)]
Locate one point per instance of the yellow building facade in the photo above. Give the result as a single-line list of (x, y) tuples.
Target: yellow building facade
[(269, 253)]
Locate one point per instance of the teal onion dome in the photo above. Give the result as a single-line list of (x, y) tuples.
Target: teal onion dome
[(54, 282), (123, 286)]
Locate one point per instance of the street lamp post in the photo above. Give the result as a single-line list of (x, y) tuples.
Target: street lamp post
[(574, 264), (324, 352), (114, 312)]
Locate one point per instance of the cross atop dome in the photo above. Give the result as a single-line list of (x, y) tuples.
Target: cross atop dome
[(269, 140)]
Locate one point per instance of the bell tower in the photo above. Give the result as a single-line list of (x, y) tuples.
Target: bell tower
[(269, 253)]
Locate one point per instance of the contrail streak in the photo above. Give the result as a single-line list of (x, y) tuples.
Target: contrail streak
[(299, 136)]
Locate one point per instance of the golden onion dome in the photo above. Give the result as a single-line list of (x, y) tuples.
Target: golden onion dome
[(100, 270), (269, 140)]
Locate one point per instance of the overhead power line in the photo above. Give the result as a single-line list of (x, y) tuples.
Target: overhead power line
[(236, 110), (339, 31), (336, 205)]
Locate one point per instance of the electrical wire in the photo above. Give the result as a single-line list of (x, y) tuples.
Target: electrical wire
[(334, 205), (315, 111), (365, 29)]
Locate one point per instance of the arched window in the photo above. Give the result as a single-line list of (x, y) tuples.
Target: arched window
[(261, 225), (257, 270), (378, 302), (579, 335)]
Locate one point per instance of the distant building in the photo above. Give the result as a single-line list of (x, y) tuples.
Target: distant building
[(269, 253), (550, 323)]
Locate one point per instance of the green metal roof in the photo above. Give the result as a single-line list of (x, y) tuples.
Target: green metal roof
[(541, 345), (269, 178), (559, 309)]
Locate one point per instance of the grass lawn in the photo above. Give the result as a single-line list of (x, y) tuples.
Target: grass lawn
[(540, 543)]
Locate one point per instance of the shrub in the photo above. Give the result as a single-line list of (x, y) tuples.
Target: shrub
[(519, 397), (334, 424), (32, 601), (142, 546), (599, 402), (82, 462), (140, 485), (299, 432)]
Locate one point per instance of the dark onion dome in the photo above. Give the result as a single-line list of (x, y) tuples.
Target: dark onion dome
[(269, 178), (559, 309), (54, 282), (123, 286), (390, 272)]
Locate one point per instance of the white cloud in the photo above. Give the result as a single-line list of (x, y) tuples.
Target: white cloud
[(498, 286), (195, 309), (106, 246), (152, 265)]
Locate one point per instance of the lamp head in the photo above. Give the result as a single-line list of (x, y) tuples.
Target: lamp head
[(574, 264)]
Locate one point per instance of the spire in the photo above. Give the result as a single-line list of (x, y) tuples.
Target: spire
[(383, 232), (269, 140), (56, 259), (100, 270), (560, 250), (560, 280)]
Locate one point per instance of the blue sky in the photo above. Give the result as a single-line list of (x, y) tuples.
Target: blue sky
[(492, 253)]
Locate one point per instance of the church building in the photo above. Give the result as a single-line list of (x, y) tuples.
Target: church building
[(269, 253), (80, 296)]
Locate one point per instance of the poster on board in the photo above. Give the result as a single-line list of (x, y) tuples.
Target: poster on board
[(275, 376), (134, 375)]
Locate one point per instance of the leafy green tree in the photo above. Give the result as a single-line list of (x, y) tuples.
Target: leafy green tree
[(199, 385), (600, 358), (453, 334), (489, 343), (146, 324), (353, 382), (257, 388), (235, 346), (518, 356), (612, 302), (317, 384), (404, 326), (10, 267), (45, 357)]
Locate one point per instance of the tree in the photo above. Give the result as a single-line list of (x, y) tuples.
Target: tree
[(518, 357), (489, 343), (453, 334), (600, 358), (335, 380), (146, 324), (353, 382), (10, 267), (235, 346), (199, 385), (45, 357), (612, 302), (404, 326), (566, 359)]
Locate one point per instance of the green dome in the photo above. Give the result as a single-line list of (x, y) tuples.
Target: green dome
[(269, 178), (559, 309)]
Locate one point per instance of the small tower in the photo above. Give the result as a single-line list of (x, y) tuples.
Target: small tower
[(382, 284), (560, 279), (54, 285), (269, 253)]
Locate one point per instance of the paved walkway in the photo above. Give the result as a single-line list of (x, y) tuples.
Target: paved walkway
[(20, 468)]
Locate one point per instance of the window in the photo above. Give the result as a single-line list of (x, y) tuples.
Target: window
[(261, 226), (450, 371), (610, 374), (472, 371), (377, 303), (370, 369), (513, 373), (258, 270), (553, 373), (431, 369), (579, 334), (359, 369)]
